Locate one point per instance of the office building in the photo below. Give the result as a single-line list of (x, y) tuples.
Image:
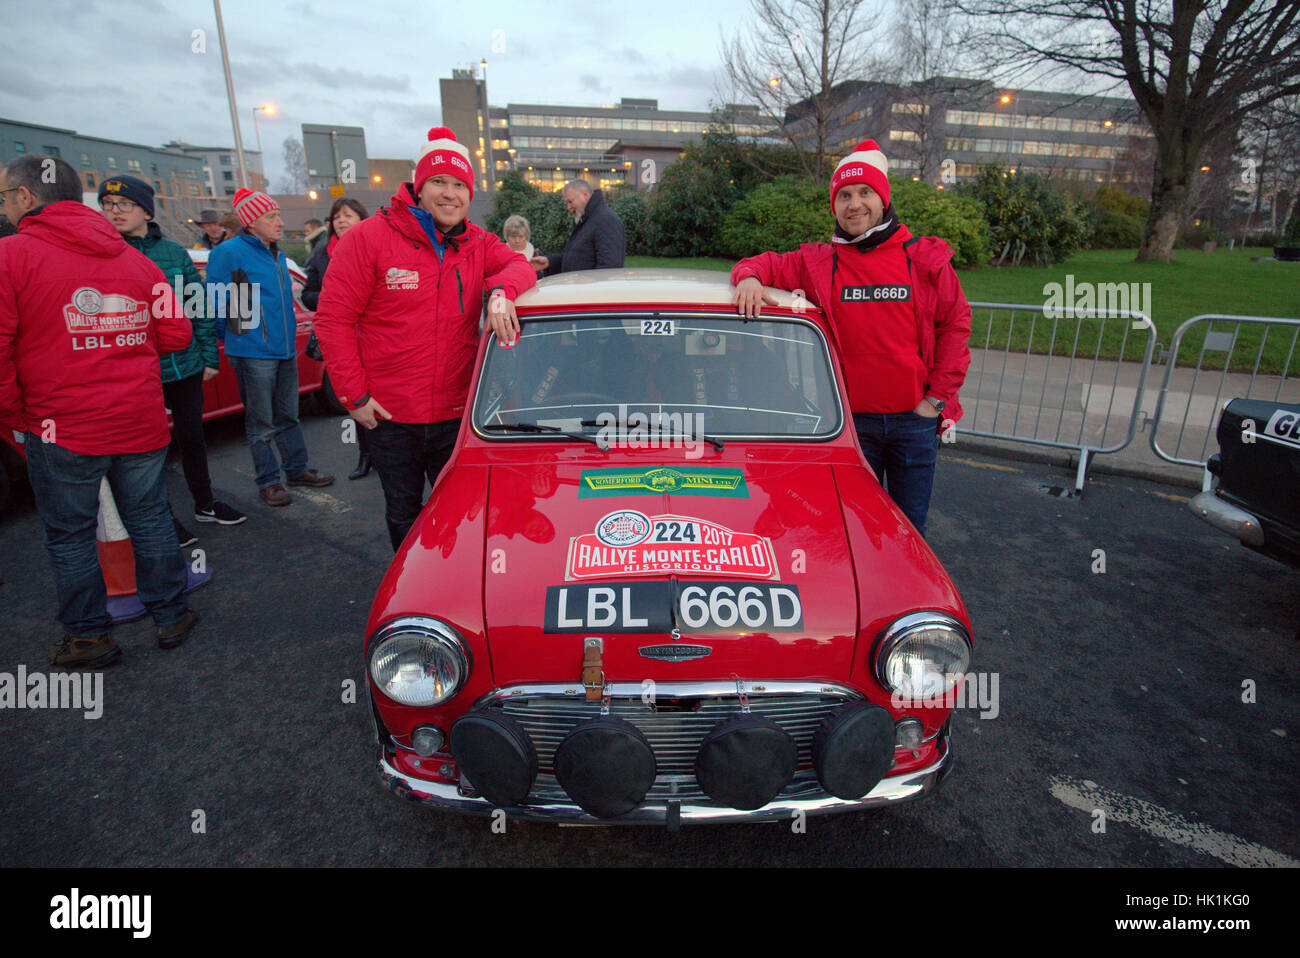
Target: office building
[(945, 129), (632, 141)]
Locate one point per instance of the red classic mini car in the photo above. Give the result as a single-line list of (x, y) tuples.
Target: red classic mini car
[(657, 581)]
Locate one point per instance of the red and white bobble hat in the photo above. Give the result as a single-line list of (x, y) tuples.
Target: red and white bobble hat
[(250, 204), (442, 154), (866, 164)]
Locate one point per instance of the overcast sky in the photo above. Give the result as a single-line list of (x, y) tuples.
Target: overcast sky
[(132, 69), (126, 69)]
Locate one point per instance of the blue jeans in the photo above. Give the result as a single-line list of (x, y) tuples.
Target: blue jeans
[(66, 485), (902, 448), (268, 388)]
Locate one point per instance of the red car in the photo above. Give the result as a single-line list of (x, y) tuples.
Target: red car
[(657, 581), (221, 393)]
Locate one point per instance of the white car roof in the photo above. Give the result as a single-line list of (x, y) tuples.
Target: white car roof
[(200, 258), (687, 287)]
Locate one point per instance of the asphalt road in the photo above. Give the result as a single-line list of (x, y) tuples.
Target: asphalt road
[(1120, 691)]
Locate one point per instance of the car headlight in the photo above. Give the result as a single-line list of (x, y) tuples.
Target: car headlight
[(419, 661), (922, 654)]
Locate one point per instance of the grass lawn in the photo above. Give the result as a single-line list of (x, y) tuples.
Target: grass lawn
[(687, 262), (1225, 281)]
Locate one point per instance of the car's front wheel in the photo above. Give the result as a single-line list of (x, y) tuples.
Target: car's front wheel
[(328, 398)]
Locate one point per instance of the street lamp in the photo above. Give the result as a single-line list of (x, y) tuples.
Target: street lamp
[(487, 133), (1006, 99), (269, 110), (230, 96)]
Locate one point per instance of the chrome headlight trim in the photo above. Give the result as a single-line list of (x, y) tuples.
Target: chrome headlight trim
[(445, 640), (903, 628)]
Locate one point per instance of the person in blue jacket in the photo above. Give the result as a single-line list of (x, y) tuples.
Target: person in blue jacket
[(252, 301)]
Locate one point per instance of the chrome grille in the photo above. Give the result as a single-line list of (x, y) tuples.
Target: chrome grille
[(673, 727)]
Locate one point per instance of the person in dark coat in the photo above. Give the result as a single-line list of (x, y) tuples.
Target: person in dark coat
[(314, 233), (597, 240), (344, 214)]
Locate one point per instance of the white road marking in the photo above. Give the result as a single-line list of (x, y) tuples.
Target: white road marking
[(336, 506), (320, 498), (1156, 821)]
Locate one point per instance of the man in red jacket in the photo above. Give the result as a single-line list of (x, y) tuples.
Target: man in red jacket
[(398, 321), (83, 319), (902, 324)]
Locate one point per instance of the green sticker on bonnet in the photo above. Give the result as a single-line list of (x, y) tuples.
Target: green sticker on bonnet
[(687, 481)]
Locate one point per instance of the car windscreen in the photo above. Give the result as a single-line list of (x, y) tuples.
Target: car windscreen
[(767, 378)]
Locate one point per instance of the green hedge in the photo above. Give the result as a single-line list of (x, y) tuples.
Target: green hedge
[(630, 206), (1111, 230), (787, 212), (549, 223), (777, 216), (1028, 222), (930, 211)]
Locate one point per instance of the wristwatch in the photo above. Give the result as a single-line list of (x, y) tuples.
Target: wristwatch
[(938, 404)]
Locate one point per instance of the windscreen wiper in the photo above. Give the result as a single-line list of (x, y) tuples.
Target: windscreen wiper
[(713, 441), (596, 441)]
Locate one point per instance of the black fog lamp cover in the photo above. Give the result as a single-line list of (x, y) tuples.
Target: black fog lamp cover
[(853, 749), (496, 755), (745, 762), (606, 765)]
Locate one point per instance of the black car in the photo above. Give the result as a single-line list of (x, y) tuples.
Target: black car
[(1257, 496)]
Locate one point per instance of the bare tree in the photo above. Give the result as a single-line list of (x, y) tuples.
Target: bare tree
[(295, 167), (1196, 68), (1271, 162), (792, 59), (928, 40)]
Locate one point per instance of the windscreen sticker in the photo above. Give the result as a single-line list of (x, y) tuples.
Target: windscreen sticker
[(629, 542), (723, 483)]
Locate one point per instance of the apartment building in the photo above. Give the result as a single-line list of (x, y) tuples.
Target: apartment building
[(221, 167), (175, 176)]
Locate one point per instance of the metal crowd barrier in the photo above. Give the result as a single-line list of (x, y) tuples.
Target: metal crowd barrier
[(1079, 391), (1220, 344)]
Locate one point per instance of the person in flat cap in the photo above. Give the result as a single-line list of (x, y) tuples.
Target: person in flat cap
[(213, 232)]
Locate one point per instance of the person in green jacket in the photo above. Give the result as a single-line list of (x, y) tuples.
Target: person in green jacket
[(128, 203)]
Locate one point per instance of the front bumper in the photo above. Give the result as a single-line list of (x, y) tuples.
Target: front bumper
[(1228, 518), (803, 795)]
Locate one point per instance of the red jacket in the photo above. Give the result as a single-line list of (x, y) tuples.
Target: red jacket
[(396, 323), (83, 319), (942, 313)]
